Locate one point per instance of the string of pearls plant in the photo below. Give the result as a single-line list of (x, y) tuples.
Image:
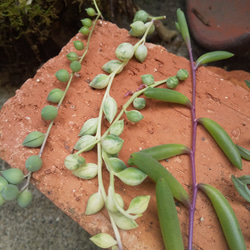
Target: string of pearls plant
[(14, 184)]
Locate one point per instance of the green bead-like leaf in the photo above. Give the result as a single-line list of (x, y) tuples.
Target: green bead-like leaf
[(134, 115), (10, 192), (49, 113), (212, 57), (241, 187), (103, 240), (72, 56), (33, 163), (137, 28), (110, 108), (55, 95), (141, 15), (13, 175), (124, 51), (131, 176), (75, 66), (139, 204), (172, 82), (34, 139), (79, 45), (25, 198), (148, 79), (62, 75)]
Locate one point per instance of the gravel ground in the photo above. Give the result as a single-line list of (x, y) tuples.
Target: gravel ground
[(43, 225)]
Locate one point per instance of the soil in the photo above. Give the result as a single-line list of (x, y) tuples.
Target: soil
[(218, 98)]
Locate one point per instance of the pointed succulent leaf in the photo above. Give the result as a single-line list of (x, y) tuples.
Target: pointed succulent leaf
[(139, 204), (112, 144), (34, 139), (124, 222), (110, 108), (117, 164), (110, 202), (141, 53), (89, 127), (117, 127), (223, 140), (86, 142), (112, 66), (212, 57), (87, 171), (95, 203), (241, 187), (100, 81), (73, 162), (13, 175), (183, 27), (103, 240), (226, 216), (168, 95), (131, 176), (134, 115), (24, 198)]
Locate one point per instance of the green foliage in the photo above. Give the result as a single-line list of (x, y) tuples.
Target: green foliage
[(18, 19)]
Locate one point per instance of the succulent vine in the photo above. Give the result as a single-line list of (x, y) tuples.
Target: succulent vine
[(148, 161), (14, 184)]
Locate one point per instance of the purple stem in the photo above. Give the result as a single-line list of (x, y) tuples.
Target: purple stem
[(192, 154)]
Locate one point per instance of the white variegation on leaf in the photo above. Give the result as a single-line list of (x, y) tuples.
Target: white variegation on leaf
[(89, 127), (131, 176), (117, 127), (86, 142), (87, 171), (103, 240), (110, 108), (124, 222), (95, 203), (139, 204)]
